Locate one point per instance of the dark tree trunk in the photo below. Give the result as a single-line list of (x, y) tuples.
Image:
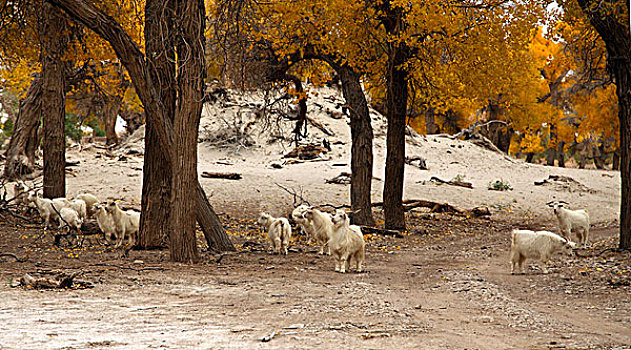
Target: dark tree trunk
[(616, 160), (530, 157), (615, 34), (156, 181), (600, 156), (430, 123), (111, 113), (20, 155), (53, 44), (396, 106), (133, 59), (361, 149), (301, 123), (550, 156), (561, 154), (190, 76)]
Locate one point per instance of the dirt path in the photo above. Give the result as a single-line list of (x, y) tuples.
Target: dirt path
[(449, 288)]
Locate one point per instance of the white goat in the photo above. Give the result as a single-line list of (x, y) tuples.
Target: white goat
[(105, 221), (321, 229), (278, 232), (346, 243), (125, 223), (71, 219), (527, 244), (45, 207), (20, 193), (303, 223), (90, 200), (79, 206), (572, 220)]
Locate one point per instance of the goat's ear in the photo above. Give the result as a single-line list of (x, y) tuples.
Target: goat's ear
[(550, 204), (308, 214)]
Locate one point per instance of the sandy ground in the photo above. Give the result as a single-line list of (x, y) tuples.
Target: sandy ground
[(445, 285)]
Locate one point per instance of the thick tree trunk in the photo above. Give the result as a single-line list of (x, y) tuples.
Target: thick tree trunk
[(156, 182), (190, 76), (361, 149), (430, 123), (133, 59), (53, 44), (550, 156), (20, 155), (561, 154), (111, 113), (530, 157), (396, 106), (614, 30)]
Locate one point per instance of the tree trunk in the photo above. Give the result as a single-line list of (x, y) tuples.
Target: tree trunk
[(430, 123), (190, 76), (396, 105), (550, 155), (615, 34), (111, 113), (156, 181), (53, 44), (133, 59), (616, 160), (20, 155), (561, 154), (361, 149), (530, 157)]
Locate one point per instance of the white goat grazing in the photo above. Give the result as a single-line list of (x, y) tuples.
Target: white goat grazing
[(278, 232), (572, 220), (105, 221), (79, 206), (527, 244), (346, 243), (321, 229), (90, 200), (45, 208), (125, 223), (71, 219)]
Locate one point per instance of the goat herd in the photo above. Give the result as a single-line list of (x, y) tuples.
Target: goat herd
[(345, 242)]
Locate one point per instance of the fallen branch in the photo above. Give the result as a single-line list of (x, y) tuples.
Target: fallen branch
[(229, 176), (453, 183), (381, 231), (14, 257), (61, 281), (320, 127), (409, 204)]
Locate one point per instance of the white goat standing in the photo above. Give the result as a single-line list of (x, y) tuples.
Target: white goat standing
[(125, 223), (298, 216), (572, 220), (105, 221), (45, 207), (319, 226), (20, 193), (527, 244), (346, 243), (278, 232)]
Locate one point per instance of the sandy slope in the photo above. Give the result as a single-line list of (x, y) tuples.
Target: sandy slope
[(111, 178)]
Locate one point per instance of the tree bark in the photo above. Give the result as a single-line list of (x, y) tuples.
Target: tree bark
[(616, 160), (53, 43), (156, 181), (396, 105), (561, 154), (133, 59), (190, 77), (361, 148), (20, 155), (530, 156), (615, 33)]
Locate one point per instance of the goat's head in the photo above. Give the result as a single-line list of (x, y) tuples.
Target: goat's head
[(339, 217), (263, 218), (556, 205)]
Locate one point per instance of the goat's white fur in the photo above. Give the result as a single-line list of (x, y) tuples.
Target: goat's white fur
[(104, 220), (90, 201), (319, 226), (20, 193), (125, 223), (346, 243), (572, 220), (278, 232), (45, 207), (70, 217), (527, 244)]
